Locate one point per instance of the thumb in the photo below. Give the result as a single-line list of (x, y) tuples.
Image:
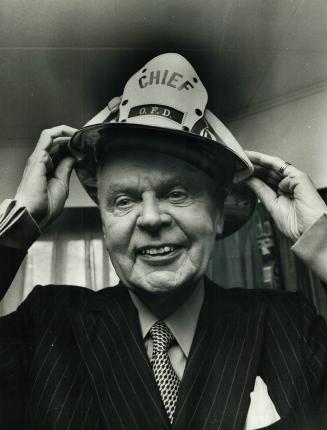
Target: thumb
[(266, 194), (64, 170)]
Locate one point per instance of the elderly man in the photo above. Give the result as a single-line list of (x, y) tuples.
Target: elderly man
[(166, 348)]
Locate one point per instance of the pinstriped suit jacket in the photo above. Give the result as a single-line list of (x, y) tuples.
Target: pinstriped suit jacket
[(71, 358)]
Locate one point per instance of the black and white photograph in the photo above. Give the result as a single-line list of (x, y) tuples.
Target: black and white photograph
[(163, 215)]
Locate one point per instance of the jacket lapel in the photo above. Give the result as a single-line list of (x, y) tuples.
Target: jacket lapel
[(222, 365), (111, 345)]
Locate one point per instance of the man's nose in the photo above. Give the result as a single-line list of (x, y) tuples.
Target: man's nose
[(151, 216)]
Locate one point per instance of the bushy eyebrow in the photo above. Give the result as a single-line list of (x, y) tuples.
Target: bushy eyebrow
[(164, 186)]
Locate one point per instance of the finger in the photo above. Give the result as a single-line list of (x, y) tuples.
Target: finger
[(47, 136), (271, 162), (36, 170), (57, 143), (64, 170), (39, 163), (59, 149), (264, 160), (266, 174), (287, 185), (264, 192)]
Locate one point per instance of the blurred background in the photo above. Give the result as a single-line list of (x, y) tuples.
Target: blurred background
[(264, 64)]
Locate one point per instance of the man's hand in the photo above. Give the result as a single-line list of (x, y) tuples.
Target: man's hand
[(44, 187), (287, 193)]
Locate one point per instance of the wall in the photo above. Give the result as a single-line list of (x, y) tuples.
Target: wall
[(293, 127)]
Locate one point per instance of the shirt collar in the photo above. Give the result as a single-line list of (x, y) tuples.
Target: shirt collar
[(182, 322)]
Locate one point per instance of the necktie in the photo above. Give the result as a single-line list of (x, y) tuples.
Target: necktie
[(164, 374)]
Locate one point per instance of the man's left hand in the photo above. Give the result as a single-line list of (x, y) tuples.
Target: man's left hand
[(287, 193)]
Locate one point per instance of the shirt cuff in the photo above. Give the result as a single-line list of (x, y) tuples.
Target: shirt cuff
[(18, 229), (311, 247)]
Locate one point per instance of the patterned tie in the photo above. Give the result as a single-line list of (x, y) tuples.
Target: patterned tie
[(164, 374)]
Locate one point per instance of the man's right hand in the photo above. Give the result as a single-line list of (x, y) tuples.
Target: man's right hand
[(44, 187)]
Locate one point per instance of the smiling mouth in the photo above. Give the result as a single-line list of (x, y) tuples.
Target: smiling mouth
[(157, 251)]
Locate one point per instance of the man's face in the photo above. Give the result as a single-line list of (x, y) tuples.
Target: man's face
[(160, 217)]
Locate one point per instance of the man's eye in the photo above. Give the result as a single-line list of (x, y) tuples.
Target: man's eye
[(177, 196), (123, 202)]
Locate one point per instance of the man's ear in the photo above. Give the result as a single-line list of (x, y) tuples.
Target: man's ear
[(104, 233)]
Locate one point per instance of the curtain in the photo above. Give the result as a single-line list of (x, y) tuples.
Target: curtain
[(238, 259), (72, 252), (296, 277)]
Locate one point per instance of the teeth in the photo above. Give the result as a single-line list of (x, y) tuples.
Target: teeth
[(158, 251)]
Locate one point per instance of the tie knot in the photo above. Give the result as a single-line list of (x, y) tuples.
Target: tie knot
[(162, 337)]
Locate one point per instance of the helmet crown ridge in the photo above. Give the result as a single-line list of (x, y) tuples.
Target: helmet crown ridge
[(166, 90)]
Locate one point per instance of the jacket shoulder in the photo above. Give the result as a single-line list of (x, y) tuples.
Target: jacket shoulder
[(47, 298), (292, 302)]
